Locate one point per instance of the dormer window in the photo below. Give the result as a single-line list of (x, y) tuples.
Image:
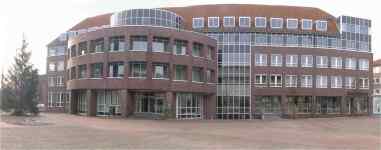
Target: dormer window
[(244, 21), (198, 22), (229, 21), (306, 24), (213, 22), (292, 23), (276, 23), (260, 22), (321, 25)]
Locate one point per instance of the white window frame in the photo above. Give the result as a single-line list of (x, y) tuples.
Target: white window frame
[(303, 22), (363, 85), (279, 19), (320, 62), (59, 80), (291, 81), (278, 63), (320, 81), (349, 81), (335, 63), (308, 84), (195, 25), (210, 25), (262, 80), (225, 22), (262, 59), (318, 23), (292, 19), (363, 64), (52, 67), (291, 60), (60, 66), (244, 17), (307, 64), (336, 82), (276, 82), (260, 26), (349, 66)]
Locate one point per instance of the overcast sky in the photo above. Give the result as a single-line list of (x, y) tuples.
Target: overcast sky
[(43, 20)]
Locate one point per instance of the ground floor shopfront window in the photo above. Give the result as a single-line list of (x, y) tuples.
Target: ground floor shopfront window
[(357, 104), (299, 104), (268, 104), (377, 105), (108, 102), (189, 105), (82, 102), (149, 103), (328, 104)]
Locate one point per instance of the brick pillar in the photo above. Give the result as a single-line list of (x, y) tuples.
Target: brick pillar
[(91, 103), (73, 102), (210, 109), (171, 100), (124, 101), (370, 105), (344, 108), (313, 110)]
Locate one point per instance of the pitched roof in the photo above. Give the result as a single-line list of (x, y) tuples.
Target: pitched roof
[(99, 20)]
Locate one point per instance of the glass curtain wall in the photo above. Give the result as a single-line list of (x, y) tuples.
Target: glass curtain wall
[(233, 88)]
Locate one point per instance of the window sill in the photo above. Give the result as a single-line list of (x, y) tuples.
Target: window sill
[(180, 80), (114, 77), (198, 82), (160, 78), (137, 77)]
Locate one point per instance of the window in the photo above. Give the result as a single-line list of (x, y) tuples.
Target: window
[(73, 73), (160, 44), (197, 49), (292, 40), (306, 81), (82, 48), (260, 22), (189, 106), (52, 67), (275, 80), (260, 39), (117, 44), (139, 43), (350, 83), (73, 51), (60, 66), (321, 81), (180, 72), (307, 60), (51, 81), (97, 45), (336, 82), (60, 81), (229, 21), (321, 61), (213, 22), (209, 76), (292, 23), (96, 70), (180, 47), (160, 71), (260, 59), (116, 69), (277, 40), (336, 62), (363, 83), (291, 81), (276, 23), (244, 21), (291, 60), (306, 24), (350, 63), (197, 75), (276, 60), (138, 69), (82, 69), (198, 22), (363, 64), (260, 80), (51, 52), (307, 41), (210, 52), (321, 25)]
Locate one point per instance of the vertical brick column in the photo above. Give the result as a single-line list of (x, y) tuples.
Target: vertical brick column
[(171, 100), (210, 109), (91, 103), (124, 101), (313, 110), (343, 103)]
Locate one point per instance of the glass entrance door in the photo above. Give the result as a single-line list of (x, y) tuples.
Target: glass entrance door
[(149, 103)]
